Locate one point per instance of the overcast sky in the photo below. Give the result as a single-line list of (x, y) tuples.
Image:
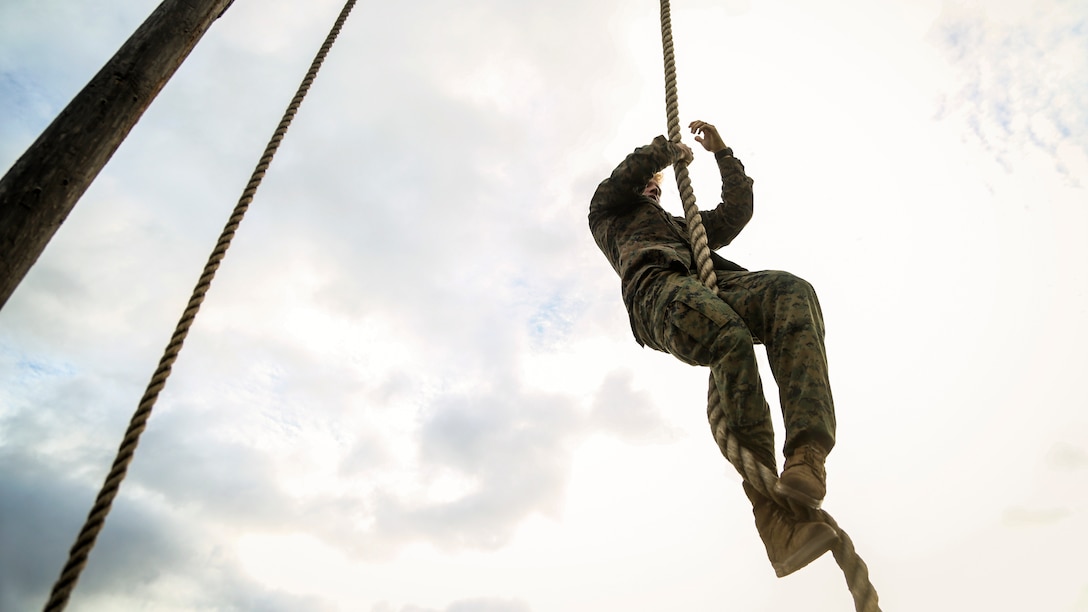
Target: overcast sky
[(413, 388)]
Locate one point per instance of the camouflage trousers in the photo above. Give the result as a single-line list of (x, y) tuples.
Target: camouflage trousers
[(701, 328)]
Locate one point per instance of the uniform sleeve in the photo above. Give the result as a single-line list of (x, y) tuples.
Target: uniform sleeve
[(631, 176), (724, 222)]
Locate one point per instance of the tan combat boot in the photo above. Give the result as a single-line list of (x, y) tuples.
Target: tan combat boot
[(790, 545), (804, 479)]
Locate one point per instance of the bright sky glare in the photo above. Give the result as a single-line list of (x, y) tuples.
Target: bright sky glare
[(412, 387)]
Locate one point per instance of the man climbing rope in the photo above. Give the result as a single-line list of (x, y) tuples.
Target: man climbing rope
[(670, 310)]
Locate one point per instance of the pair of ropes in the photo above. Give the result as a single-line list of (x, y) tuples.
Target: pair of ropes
[(753, 472)]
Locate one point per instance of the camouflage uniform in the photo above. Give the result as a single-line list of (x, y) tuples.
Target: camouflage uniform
[(671, 310)]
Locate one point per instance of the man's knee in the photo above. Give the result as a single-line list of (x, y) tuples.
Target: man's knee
[(795, 298), (787, 283)]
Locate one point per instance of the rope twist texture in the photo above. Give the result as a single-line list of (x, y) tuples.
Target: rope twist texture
[(750, 469), (81, 550)]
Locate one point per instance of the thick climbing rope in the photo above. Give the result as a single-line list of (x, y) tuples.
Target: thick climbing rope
[(752, 471), (80, 551)]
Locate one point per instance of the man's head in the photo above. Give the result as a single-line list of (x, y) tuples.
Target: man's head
[(653, 188)]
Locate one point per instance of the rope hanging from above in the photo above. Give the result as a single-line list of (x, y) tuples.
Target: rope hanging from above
[(77, 558), (752, 471)]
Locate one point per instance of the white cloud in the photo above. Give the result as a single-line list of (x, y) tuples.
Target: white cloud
[(1022, 74)]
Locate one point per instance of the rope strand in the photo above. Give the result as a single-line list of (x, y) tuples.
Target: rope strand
[(751, 470), (81, 550)]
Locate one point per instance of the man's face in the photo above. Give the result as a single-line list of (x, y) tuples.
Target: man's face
[(652, 191)]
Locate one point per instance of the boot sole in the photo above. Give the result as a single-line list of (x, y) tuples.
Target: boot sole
[(808, 553), (798, 496)]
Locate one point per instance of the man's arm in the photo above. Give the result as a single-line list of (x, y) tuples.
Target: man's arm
[(723, 223), (634, 173)]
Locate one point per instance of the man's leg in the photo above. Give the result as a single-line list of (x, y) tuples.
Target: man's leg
[(784, 312), (699, 328)]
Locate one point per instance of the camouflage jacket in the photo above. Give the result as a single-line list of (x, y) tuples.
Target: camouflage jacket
[(639, 237)]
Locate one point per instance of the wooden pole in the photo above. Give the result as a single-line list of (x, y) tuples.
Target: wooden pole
[(43, 186)]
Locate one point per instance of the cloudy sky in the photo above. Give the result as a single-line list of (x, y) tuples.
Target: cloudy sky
[(412, 387)]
